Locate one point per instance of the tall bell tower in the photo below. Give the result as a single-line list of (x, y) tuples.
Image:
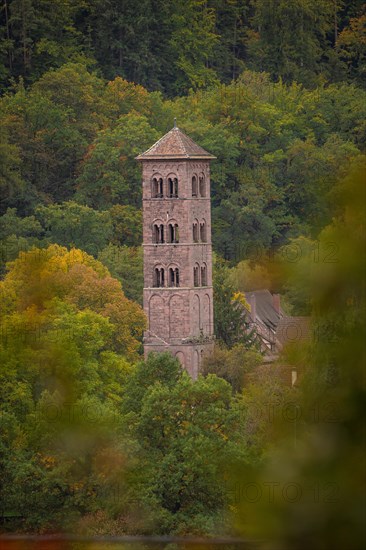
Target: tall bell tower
[(178, 299)]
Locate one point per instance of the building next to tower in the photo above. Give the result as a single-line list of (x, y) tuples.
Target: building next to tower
[(178, 297)]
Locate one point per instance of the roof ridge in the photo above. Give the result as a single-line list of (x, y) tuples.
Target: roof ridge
[(180, 133)]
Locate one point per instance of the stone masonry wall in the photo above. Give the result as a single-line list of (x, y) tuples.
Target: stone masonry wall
[(180, 319)]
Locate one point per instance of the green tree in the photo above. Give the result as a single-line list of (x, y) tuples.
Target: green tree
[(18, 234), (230, 315), (123, 39), (41, 276), (75, 226), (232, 26), (351, 48), (327, 442), (12, 224), (40, 35), (127, 225), (11, 182), (233, 365), (51, 124), (125, 263), (158, 368), (289, 38), (251, 275), (61, 386), (311, 174), (109, 173), (192, 42), (185, 431)]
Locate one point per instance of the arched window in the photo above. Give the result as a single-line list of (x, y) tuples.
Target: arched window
[(154, 190), (203, 235), (173, 233), (173, 187), (194, 186), (173, 276), (158, 233), (195, 232), (204, 275), (202, 185), (196, 275), (157, 187), (159, 277)]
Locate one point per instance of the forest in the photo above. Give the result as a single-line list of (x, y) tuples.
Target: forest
[(276, 90)]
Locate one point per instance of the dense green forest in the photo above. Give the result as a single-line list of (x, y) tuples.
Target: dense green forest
[(69, 175), (181, 45), (275, 90)]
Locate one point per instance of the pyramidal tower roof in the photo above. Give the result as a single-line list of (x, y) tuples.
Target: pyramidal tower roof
[(175, 145)]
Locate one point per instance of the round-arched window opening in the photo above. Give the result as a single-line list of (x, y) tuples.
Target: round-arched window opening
[(195, 231), (202, 185), (157, 190), (159, 277), (173, 233), (196, 275), (203, 232), (194, 186), (204, 275), (173, 187), (173, 277), (158, 233)]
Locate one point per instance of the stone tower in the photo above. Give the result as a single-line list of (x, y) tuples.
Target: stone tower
[(177, 246)]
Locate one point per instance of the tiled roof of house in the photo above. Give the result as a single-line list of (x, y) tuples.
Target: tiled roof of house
[(175, 145), (273, 327), (265, 311)]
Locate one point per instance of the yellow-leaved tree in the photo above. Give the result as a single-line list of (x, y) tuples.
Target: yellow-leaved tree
[(39, 279), (69, 338)]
